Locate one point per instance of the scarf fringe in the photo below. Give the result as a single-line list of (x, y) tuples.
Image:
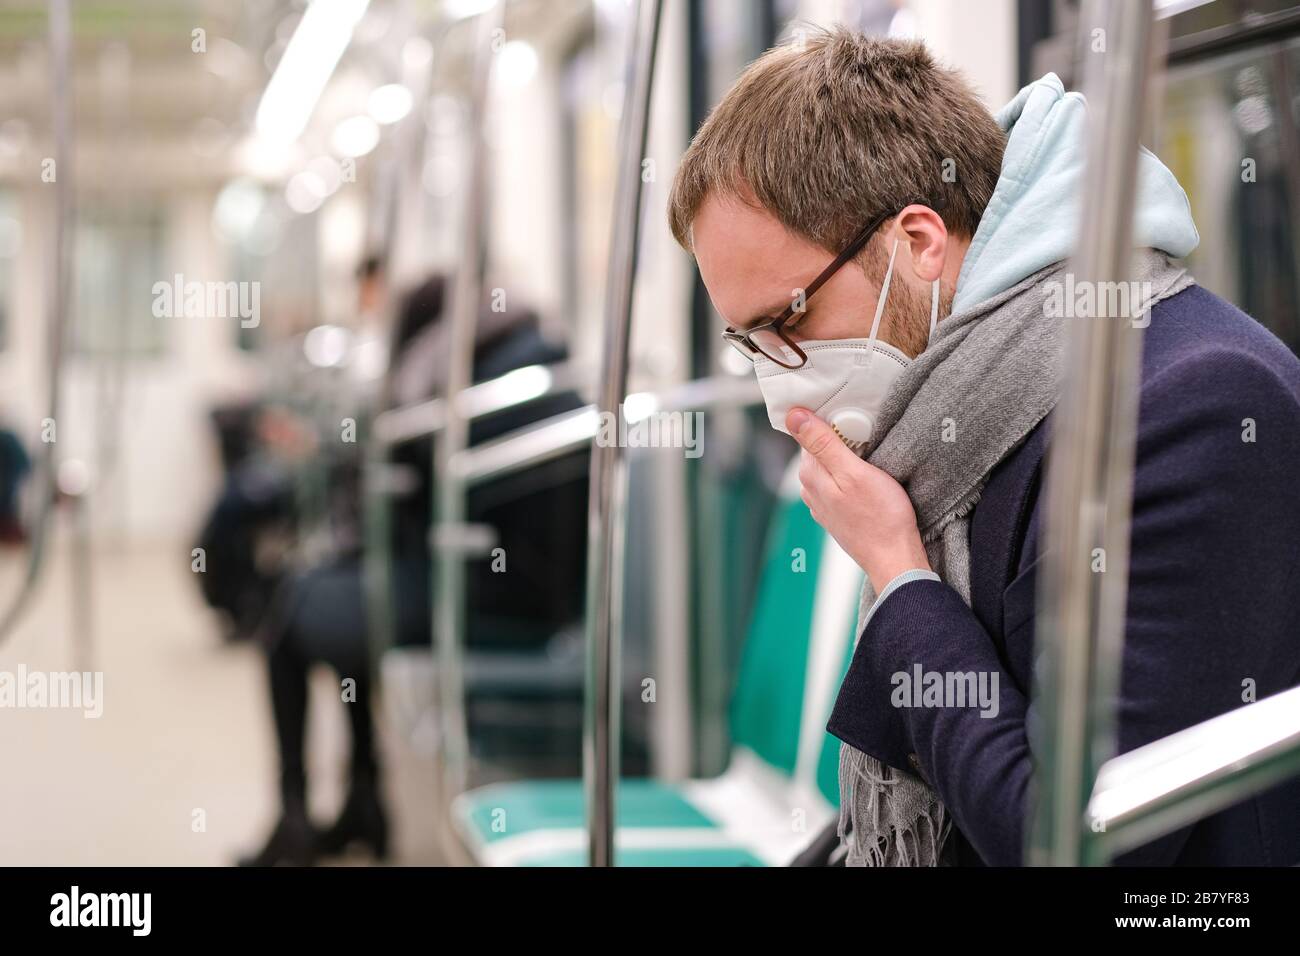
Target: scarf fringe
[(960, 512), (866, 784)]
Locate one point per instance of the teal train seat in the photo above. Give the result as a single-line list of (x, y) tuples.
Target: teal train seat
[(779, 788)]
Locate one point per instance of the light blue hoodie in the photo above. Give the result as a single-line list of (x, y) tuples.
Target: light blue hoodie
[(1032, 219)]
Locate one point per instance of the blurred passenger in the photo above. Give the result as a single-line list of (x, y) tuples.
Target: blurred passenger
[(255, 499), (14, 469), (246, 532), (320, 614)]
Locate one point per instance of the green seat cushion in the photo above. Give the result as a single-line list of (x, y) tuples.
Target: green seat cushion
[(767, 708), (828, 762), (504, 810)]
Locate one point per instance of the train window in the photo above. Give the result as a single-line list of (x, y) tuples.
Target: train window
[(1228, 131), (1229, 134), (442, 176), (592, 97), (582, 205), (248, 223), (291, 304), (119, 255), (247, 268), (1205, 17)]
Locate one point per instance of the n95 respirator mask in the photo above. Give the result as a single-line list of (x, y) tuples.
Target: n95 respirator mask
[(845, 381)]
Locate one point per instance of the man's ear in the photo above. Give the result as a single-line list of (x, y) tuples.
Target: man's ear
[(927, 237)]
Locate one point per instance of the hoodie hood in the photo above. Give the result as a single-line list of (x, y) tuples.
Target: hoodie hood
[(1032, 219)]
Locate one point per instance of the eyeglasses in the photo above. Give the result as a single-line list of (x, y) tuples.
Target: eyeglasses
[(770, 339)]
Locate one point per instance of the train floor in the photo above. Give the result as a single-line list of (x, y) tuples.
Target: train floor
[(179, 767)]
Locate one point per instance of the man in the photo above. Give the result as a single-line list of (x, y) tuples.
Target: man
[(842, 198)]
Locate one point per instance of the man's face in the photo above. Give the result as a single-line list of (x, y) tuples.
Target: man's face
[(751, 266)]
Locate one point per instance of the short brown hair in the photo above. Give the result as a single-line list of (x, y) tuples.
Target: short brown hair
[(839, 129)]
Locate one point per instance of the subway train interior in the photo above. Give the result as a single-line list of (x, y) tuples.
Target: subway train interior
[(378, 489)]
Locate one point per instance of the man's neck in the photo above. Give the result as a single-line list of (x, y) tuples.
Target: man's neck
[(953, 263)]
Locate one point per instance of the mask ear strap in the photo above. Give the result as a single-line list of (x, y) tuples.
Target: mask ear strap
[(880, 303), (934, 307)]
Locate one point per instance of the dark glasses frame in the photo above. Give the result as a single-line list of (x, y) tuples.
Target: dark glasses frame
[(743, 342)]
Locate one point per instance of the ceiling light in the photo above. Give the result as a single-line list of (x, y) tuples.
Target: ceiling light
[(517, 63), (355, 137), (314, 49), (460, 9), (388, 104), (305, 192)]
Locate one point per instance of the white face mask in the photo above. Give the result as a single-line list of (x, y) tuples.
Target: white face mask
[(845, 381)]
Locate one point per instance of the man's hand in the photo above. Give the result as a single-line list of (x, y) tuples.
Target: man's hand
[(864, 509)]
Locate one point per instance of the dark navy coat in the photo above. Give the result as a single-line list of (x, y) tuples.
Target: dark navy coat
[(1213, 605)]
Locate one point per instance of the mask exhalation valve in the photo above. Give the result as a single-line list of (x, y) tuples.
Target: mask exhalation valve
[(853, 425)]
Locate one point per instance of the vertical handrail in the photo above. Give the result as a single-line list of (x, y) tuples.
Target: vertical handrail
[(449, 541), (377, 542), (388, 235), (1090, 461), (57, 295), (605, 517), (408, 198)]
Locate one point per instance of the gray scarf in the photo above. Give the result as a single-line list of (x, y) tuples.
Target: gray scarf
[(988, 377)]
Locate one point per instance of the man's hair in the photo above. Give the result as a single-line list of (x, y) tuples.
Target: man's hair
[(838, 130)]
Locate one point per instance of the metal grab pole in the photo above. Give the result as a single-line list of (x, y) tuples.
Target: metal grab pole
[(1175, 781), (56, 298), (605, 518), (466, 299), (1090, 462), (393, 231)]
